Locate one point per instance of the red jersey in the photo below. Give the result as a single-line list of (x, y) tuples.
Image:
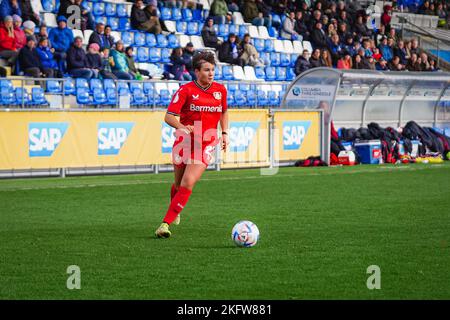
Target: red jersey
[(193, 103)]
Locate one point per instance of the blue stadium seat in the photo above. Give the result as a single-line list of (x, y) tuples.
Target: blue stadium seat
[(139, 97), (165, 14), (230, 99), (260, 73), (176, 14), (127, 38), (110, 9), (285, 59), (187, 14), (197, 14), (38, 97), (142, 54), (109, 84), (114, 23), (48, 5), (251, 98), (181, 27), (7, 97), (150, 40), (280, 73), (101, 19), (121, 10), (161, 41), (274, 99), (111, 96), (223, 30), (155, 55), (275, 59), (95, 84), (262, 98), (124, 91), (276, 19), (83, 96), (259, 44), (148, 87), (245, 87), (124, 24), (233, 86), (100, 97), (294, 57), (54, 86), (6, 84), (139, 39), (192, 28), (165, 55), (164, 98), (290, 74), (136, 86), (273, 32), (98, 9), (270, 73), (227, 73), (239, 98), (269, 45), (233, 28), (243, 29), (82, 83), (69, 86), (173, 41), (265, 56), (218, 72), (121, 85)]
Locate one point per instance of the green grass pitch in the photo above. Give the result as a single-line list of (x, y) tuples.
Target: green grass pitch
[(320, 230)]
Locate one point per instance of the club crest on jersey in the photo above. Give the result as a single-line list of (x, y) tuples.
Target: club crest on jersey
[(218, 95), (195, 96)]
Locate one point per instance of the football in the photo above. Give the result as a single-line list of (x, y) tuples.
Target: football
[(245, 234)]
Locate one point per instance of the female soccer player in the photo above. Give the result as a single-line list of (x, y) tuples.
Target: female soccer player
[(200, 104)]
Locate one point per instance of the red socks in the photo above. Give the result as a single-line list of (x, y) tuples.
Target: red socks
[(173, 191), (177, 204)]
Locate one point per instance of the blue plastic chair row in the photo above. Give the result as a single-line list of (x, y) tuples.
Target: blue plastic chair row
[(20, 96), (241, 98), (109, 9), (141, 39)]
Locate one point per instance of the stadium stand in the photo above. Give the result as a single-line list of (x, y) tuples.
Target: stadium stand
[(277, 61)]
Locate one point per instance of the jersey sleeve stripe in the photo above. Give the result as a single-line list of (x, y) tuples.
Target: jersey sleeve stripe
[(173, 113)]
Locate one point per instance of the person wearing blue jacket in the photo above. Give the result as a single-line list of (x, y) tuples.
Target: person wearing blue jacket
[(9, 8), (48, 62), (61, 39)]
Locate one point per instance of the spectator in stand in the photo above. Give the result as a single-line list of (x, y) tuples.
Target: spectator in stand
[(302, 63), (414, 46), (411, 65), (288, 30), (250, 56), (87, 19), (137, 73), (233, 5), (43, 34), (29, 27), (19, 35), (395, 64), (343, 31), (382, 65), (400, 51), (29, 61), (442, 14), (145, 18), (426, 9), (361, 29), (344, 19), (265, 10), (229, 51), (316, 17), (28, 12), (209, 35), (386, 17), (349, 46), (433, 66), (218, 11), (315, 60), (300, 26), (280, 6), (77, 65), (94, 60), (377, 54), (61, 39), (48, 62), (98, 36), (8, 49), (119, 62), (178, 68), (9, 8), (250, 13), (345, 61), (318, 37), (229, 18), (425, 63), (386, 50), (106, 71), (325, 59), (331, 31), (335, 48), (109, 38), (188, 55)]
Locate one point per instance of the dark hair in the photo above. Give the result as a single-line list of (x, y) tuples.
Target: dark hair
[(202, 57)]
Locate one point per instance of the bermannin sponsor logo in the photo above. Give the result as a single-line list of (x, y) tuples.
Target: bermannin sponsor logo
[(193, 107)]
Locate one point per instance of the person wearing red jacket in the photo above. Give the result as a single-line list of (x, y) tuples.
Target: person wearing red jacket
[(7, 41), (19, 34)]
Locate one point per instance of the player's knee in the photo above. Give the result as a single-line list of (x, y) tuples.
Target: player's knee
[(188, 183)]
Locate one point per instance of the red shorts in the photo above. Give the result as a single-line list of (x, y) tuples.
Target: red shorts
[(193, 151)]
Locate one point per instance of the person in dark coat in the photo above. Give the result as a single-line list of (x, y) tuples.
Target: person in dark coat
[(315, 60), (77, 62), (302, 63), (179, 65), (230, 52), (29, 61), (98, 36), (318, 37), (209, 35)]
